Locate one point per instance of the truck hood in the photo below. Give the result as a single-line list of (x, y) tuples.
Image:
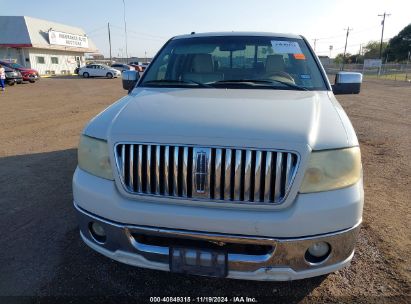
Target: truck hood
[(280, 119), (27, 71)]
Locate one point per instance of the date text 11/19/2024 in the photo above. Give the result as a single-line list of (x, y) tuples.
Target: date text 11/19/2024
[(235, 299)]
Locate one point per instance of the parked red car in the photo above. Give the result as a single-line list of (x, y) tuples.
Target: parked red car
[(30, 75)]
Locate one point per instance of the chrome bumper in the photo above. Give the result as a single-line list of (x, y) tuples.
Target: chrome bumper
[(282, 259)]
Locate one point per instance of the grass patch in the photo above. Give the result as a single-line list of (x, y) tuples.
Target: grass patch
[(398, 77)]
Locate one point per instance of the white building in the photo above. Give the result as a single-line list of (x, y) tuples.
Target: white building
[(48, 47)]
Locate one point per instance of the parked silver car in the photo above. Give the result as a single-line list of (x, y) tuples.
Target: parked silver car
[(98, 70), (122, 67)]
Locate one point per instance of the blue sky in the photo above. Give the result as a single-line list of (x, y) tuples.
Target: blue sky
[(151, 23)]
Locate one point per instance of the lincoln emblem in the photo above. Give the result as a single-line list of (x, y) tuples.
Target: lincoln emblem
[(201, 171)]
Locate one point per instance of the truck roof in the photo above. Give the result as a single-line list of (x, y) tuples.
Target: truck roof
[(214, 34)]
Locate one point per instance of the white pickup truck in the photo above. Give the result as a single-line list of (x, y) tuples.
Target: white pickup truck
[(229, 157)]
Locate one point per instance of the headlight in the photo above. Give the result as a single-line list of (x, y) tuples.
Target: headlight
[(93, 157), (332, 169)]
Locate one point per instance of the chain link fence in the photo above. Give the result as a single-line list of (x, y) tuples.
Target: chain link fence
[(391, 71)]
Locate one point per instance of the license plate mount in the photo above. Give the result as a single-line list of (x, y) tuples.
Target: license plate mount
[(201, 262)]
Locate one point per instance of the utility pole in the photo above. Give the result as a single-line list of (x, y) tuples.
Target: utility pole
[(359, 54), (315, 43), (109, 38), (382, 31), (125, 26), (406, 66), (345, 48)]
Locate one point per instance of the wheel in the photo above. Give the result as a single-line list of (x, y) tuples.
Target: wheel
[(86, 75), (32, 81), (109, 75), (11, 83)]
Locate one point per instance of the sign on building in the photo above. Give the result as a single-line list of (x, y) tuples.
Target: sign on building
[(66, 39), (372, 63)]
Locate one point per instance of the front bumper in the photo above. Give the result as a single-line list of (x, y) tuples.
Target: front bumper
[(30, 77), (280, 259), (309, 214), (11, 81)]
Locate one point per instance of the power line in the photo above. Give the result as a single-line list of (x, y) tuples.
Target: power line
[(140, 33), (97, 34), (96, 30), (330, 37), (364, 30), (348, 46), (120, 32), (338, 36)]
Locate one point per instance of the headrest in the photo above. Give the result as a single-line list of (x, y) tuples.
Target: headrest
[(274, 63), (202, 63)]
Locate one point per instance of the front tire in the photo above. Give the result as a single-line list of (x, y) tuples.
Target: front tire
[(86, 75), (109, 75)]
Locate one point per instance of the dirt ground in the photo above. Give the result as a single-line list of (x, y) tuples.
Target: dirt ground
[(42, 256)]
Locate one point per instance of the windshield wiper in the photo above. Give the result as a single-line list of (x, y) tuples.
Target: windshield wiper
[(261, 81), (169, 81)]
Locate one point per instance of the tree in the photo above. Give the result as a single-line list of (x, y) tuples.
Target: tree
[(339, 58), (372, 49), (400, 45), (348, 58), (356, 58)]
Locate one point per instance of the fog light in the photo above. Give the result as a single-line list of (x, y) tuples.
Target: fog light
[(319, 249), (97, 231), (317, 252)]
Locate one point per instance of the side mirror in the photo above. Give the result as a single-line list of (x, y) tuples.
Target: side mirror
[(347, 83), (130, 79)]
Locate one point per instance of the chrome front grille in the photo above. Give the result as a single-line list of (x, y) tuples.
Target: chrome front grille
[(216, 174)]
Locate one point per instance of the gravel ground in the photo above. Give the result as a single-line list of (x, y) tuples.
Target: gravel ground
[(42, 258)]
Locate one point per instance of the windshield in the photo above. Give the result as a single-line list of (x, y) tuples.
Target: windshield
[(235, 62), (14, 65)]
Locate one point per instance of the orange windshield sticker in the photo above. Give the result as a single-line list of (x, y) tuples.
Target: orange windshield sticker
[(299, 56)]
